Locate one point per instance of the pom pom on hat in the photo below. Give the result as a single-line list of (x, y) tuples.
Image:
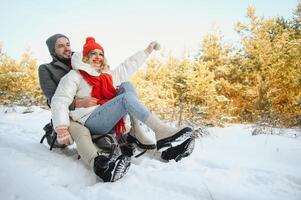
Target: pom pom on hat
[(91, 45)]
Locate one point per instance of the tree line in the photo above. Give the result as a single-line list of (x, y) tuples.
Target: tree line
[(257, 78)]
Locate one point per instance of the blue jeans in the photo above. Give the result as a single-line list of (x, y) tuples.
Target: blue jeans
[(106, 116)]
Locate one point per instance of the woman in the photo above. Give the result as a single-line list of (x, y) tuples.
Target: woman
[(91, 77)]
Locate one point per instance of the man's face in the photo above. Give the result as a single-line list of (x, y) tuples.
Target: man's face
[(62, 48)]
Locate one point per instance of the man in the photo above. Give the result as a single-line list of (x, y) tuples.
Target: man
[(49, 75)]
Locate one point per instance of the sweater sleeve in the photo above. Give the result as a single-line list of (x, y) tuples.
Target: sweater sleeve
[(63, 97), (47, 84), (126, 69)]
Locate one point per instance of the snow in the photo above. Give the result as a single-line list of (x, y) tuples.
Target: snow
[(230, 163)]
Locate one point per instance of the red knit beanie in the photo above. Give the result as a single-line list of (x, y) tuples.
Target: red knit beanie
[(91, 45)]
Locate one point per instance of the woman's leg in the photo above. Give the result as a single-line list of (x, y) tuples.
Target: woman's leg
[(136, 134), (164, 134), (126, 87), (106, 116)]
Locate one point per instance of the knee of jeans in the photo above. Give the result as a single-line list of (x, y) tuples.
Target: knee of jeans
[(129, 96), (128, 87)]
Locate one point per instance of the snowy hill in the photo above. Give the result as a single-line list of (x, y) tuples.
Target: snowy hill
[(228, 164)]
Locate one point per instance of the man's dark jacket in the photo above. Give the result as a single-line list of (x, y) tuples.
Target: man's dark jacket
[(50, 75)]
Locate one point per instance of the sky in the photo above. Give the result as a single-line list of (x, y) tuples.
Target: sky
[(123, 27)]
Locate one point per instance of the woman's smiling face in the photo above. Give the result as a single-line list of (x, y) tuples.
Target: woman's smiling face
[(96, 58)]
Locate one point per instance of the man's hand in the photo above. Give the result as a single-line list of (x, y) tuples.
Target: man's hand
[(86, 102), (63, 136), (152, 46)]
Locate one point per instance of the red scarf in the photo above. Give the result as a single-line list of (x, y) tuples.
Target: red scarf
[(103, 90)]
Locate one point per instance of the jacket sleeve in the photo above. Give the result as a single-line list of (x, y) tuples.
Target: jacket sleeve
[(126, 69), (63, 97), (47, 84)]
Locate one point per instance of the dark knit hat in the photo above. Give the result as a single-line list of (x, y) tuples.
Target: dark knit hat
[(51, 41), (91, 45)]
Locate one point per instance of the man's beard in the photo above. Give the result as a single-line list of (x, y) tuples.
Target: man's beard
[(61, 57), (66, 61)]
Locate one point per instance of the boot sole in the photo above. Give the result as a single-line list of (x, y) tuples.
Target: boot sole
[(132, 139), (185, 149), (189, 147), (166, 141), (121, 168)]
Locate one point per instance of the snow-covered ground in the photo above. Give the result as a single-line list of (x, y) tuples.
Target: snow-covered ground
[(227, 164)]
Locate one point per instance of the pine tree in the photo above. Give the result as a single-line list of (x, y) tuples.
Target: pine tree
[(19, 81)]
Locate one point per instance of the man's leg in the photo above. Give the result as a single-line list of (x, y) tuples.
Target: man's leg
[(107, 168), (82, 138)]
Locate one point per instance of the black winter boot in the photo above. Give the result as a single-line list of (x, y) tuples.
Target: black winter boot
[(166, 134), (180, 151), (110, 170), (180, 134)]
